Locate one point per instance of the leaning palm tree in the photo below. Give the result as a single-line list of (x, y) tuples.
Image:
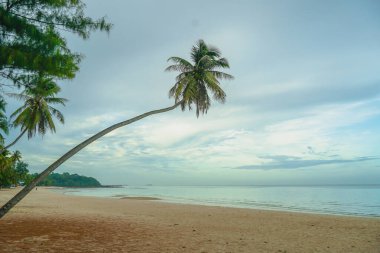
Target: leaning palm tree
[(35, 116), (191, 88)]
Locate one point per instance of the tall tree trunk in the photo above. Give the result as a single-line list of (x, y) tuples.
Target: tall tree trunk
[(14, 142), (19, 196)]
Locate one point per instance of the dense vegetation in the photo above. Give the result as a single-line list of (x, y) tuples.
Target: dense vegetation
[(13, 171), (16, 173), (69, 180), (32, 41)]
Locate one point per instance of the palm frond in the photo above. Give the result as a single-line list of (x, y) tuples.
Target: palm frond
[(22, 117), (178, 67), (18, 111), (204, 60), (213, 84), (184, 75), (55, 100), (57, 114), (213, 51), (220, 63), (2, 105), (48, 120), (180, 61), (221, 75), (19, 96), (4, 126)]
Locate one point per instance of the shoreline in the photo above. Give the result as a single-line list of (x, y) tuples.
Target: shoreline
[(48, 221), (259, 209), (61, 190)]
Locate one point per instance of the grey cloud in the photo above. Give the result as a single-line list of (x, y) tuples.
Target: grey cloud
[(307, 96), (291, 162)]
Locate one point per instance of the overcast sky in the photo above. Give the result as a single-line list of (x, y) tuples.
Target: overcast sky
[(304, 107)]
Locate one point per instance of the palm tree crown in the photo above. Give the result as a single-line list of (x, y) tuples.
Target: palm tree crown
[(35, 116), (197, 78)]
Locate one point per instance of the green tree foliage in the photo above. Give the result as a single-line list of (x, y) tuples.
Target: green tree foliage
[(4, 126), (197, 78), (69, 180), (22, 171), (35, 116), (32, 41), (15, 172), (9, 175)]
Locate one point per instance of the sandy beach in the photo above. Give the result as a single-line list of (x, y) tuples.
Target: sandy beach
[(47, 221)]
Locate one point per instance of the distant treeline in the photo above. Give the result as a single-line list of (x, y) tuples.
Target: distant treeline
[(69, 180), (14, 172)]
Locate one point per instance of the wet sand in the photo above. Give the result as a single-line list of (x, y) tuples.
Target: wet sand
[(47, 221)]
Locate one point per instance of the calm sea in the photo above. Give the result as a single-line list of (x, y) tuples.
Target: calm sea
[(341, 200)]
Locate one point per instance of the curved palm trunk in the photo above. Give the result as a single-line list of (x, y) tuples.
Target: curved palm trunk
[(14, 142), (19, 196)]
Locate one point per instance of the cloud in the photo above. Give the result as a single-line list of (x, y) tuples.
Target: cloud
[(306, 87), (291, 162), (179, 142)]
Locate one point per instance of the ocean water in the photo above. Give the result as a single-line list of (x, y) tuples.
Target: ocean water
[(339, 200)]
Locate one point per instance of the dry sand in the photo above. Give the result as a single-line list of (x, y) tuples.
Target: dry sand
[(51, 222)]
